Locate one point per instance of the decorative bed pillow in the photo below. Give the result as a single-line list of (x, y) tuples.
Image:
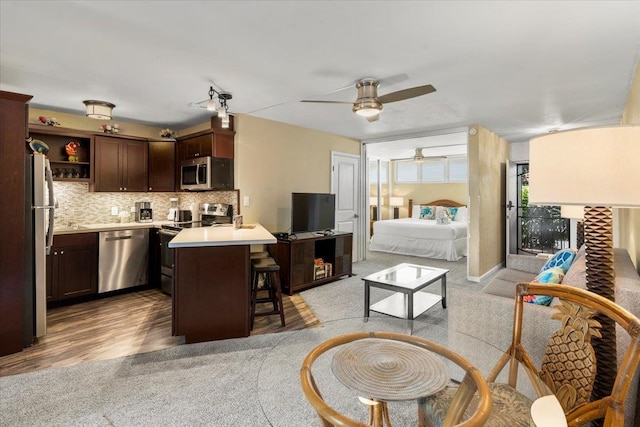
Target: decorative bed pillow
[(562, 259), (461, 214), (427, 212), (551, 275), (415, 213)]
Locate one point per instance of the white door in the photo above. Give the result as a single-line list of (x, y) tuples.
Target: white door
[(345, 173), (511, 207)]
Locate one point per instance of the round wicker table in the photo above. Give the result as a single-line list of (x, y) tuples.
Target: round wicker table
[(382, 370)]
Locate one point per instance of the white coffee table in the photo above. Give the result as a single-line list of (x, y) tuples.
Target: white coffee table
[(406, 280)]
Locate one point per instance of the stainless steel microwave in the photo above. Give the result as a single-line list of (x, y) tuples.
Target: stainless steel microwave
[(206, 173), (196, 174)]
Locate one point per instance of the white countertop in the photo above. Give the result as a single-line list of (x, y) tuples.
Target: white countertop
[(224, 235), (90, 228)]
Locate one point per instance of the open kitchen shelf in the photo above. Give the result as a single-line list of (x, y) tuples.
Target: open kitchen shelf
[(56, 138)]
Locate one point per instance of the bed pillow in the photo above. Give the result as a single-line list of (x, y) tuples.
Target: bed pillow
[(462, 214), (551, 275), (563, 259), (415, 213), (427, 212)]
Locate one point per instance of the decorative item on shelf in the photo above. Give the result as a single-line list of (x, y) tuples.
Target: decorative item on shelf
[(49, 121), (168, 133), (37, 146), (72, 150), (106, 128)]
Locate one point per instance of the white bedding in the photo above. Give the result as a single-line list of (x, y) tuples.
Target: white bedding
[(420, 237)]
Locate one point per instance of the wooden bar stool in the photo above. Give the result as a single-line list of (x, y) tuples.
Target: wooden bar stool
[(271, 285)]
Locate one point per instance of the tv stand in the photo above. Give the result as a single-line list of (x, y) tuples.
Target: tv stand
[(297, 259)]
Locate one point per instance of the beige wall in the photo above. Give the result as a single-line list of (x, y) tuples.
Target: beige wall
[(274, 159), (76, 121), (487, 154), (629, 219)]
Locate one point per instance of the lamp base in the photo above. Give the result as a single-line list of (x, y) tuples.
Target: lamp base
[(396, 212), (598, 236)]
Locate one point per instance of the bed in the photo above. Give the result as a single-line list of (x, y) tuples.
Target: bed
[(424, 237)]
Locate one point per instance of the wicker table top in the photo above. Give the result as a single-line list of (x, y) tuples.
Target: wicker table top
[(388, 370)]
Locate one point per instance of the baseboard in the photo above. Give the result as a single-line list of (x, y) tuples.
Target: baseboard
[(485, 275)]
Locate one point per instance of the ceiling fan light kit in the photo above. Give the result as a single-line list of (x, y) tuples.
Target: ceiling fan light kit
[(100, 110), (418, 157), (369, 105)]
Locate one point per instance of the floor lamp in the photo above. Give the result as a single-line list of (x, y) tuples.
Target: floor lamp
[(596, 168)]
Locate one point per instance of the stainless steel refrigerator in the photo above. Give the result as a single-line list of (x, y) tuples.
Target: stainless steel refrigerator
[(40, 223)]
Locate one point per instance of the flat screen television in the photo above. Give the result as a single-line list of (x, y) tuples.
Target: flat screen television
[(312, 212)]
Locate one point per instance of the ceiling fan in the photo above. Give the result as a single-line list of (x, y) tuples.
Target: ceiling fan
[(369, 105)]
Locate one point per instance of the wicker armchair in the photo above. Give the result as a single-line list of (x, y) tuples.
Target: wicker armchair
[(568, 366), (472, 384)]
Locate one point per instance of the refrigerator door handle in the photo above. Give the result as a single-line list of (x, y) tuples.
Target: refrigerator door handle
[(52, 200)]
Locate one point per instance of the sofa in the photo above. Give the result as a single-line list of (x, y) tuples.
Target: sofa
[(488, 314)]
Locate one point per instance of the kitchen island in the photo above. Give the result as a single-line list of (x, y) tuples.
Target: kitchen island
[(211, 281)]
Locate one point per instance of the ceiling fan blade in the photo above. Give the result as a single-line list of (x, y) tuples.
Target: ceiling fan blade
[(406, 94), (327, 102), (373, 118)]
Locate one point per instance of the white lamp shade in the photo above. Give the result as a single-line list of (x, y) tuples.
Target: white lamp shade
[(396, 201), (590, 166), (373, 201), (572, 211)]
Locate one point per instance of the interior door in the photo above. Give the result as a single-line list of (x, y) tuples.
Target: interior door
[(345, 173), (511, 208)]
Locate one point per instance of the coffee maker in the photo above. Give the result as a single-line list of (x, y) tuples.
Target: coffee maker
[(144, 212)]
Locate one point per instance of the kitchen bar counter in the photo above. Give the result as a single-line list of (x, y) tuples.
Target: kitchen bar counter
[(211, 281), (222, 235)]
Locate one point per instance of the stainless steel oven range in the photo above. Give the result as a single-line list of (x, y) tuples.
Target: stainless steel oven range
[(211, 214), (167, 233)]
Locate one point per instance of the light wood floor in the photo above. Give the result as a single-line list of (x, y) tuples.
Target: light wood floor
[(122, 325)]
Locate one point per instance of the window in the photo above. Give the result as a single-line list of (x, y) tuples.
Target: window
[(458, 169), (373, 172), (432, 170)]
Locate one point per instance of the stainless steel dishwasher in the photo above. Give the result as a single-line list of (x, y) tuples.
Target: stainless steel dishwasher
[(123, 259)]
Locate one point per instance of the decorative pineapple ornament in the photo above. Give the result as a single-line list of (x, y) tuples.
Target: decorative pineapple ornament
[(569, 362)]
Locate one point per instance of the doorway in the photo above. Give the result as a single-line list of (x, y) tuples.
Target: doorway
[(534, 229), (345, 184)]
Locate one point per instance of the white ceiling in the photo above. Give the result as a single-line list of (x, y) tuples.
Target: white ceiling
[(518, 68)]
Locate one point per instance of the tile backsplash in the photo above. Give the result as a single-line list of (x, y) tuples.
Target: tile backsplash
[(80, 206)]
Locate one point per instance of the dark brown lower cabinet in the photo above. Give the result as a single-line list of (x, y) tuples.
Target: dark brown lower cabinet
[(211, 293), (72, 266), (298, 259)]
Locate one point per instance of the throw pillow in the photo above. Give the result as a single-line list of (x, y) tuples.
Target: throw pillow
[(427, 212), (461, 214), (552, 275), (562, 259)]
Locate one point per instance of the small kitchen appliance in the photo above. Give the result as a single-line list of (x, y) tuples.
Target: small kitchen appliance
[(143, 212)]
